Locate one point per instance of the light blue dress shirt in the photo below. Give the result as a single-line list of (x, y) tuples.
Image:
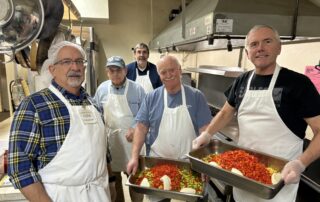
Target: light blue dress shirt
[(150, 113), (135, 94)]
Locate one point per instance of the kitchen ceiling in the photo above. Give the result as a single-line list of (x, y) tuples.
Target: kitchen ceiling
[(97, 11)]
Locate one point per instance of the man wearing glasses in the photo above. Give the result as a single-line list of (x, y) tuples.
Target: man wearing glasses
[(57, 147)]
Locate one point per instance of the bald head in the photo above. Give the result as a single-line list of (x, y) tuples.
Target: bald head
[(169, 70), (168, 60)]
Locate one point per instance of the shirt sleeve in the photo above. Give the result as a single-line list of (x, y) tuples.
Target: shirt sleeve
[(143, 113), (23, 146), (237, 90), (308, 98), (131, 71), (97, 97)]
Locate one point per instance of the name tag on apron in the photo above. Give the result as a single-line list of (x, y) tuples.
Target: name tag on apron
[(87, 116)]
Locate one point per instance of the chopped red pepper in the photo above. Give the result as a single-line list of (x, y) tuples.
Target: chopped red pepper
[(247, 163)]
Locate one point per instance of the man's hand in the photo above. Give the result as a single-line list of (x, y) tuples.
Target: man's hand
[(132, 166), (129, 134), (202, 140), (292, 171), (113, 191)]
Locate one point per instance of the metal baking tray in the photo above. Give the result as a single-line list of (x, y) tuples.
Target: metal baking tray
[(148, 162), (216, 147)]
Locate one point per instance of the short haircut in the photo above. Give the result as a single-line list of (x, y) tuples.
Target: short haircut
[(141, 45), (256, 27)]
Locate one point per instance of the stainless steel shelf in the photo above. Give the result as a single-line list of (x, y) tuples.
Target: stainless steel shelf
[(217, 70)]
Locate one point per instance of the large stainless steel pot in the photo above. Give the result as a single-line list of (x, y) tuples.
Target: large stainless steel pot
[(21, 22)]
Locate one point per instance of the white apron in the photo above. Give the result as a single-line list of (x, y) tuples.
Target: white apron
[(144, 81), (175, 135), (262, 129), (176, 131), (78, 172), (118, 118)]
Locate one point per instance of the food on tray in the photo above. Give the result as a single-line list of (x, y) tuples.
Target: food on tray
[(166, 182), (214, 164), (168, 176), (243, 163), (188, 190), (145, 183), (275, 178), (236, 171)]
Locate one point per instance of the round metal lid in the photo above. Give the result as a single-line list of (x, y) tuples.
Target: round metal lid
[(22, 26), (6, 11)]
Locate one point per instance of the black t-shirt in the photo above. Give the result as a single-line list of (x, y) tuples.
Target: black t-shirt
[(294, 95)]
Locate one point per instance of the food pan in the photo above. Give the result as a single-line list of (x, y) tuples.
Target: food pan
[(148, 162), (216, 147)]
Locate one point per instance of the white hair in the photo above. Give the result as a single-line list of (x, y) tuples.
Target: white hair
[(45, 75)]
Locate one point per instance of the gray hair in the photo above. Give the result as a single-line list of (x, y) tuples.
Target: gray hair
[(141, 45), (173, 60), (53, 52), (256, 27)]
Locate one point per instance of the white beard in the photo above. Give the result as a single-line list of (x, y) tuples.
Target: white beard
[(75, 82)]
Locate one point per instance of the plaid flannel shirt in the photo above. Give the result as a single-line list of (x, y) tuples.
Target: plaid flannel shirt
[(39, 128)]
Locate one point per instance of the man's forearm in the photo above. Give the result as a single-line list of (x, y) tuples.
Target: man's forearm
[(35, 193), (221, 119), (138, 139)]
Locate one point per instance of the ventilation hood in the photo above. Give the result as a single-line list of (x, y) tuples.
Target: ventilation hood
[(207, 20)]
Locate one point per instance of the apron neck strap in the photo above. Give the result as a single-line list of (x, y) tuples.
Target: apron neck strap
[(126, 84), (59, 95), (165, 97), (273, 80)]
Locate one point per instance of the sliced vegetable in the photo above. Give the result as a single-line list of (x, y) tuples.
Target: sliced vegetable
[(236, 171), (159, 175), (145, 183), (188, 190), (275, 178), (166, 182)]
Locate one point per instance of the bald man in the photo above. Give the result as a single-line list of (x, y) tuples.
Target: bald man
[(175, 114)]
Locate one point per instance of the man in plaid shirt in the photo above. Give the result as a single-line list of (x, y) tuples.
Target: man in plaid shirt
[(58, 146)]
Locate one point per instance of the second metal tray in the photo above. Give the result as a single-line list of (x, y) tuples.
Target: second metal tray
[(242, 182), (148, 162)]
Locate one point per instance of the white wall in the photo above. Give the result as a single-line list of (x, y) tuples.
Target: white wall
[(130, 22)]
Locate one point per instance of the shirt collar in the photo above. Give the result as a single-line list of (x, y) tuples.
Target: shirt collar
[(83, 94), (146, 69), (119, 87)]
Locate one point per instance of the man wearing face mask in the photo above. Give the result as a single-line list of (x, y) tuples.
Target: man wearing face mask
[(143, 72), (121, 99), (58, 147)]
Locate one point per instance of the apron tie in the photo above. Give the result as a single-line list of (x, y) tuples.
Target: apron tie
[(88, 186)]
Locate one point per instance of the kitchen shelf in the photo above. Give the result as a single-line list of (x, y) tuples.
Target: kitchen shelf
[(217, 70)]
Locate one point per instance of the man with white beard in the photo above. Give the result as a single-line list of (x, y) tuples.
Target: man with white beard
[(58, 147)]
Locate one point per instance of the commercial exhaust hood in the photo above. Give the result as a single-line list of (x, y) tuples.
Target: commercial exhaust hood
[(207, 20)]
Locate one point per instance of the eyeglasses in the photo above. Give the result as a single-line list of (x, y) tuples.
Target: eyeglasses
[(68, 62)]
